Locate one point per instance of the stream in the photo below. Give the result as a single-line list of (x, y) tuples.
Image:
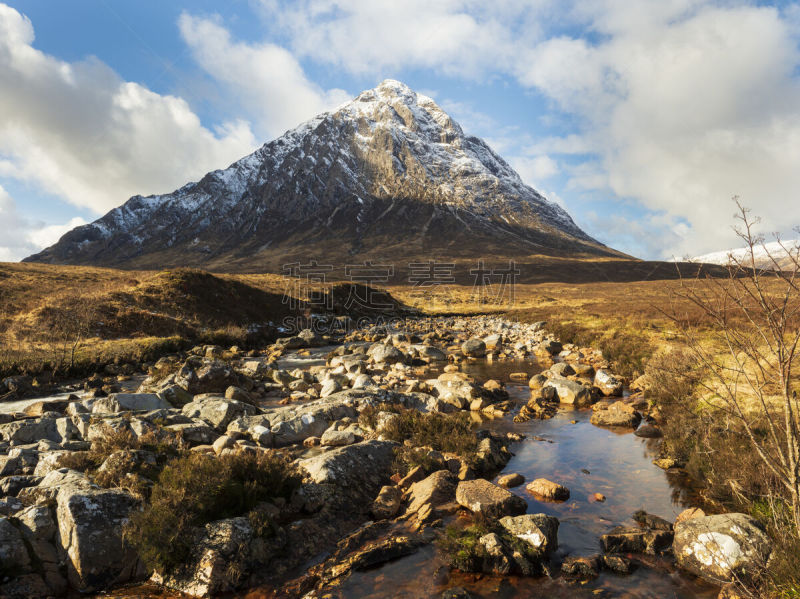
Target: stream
[(585, 458)]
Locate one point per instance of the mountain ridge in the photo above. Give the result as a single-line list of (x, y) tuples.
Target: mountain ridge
[(387, 175)]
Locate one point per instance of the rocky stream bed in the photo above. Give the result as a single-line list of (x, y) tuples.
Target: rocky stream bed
[(559, 495)]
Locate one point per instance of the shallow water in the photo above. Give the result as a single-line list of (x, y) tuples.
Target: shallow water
[(619, 466)]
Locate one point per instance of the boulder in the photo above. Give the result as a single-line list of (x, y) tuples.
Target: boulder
[(633, 539), (218, 412), (13, 553), (363, 467), (511, 480), (721, 548), (332, 438), (540, 531), (618, 413), (562, 369), (386, 354), (474, 348), (90, 525), (570, 392), (224, 553), (387, 503), (481, 496), (607, 382), (549, 490), (129, 402), (437, 489)]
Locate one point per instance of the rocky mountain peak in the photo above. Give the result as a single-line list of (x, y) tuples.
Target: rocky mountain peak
[(389, 174)]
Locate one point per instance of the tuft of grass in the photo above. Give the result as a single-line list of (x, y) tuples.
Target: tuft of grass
[(627, 352), (443, 432), (196, 489), (461, 548)]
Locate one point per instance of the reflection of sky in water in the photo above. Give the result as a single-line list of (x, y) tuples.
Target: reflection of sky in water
[(620, 467)]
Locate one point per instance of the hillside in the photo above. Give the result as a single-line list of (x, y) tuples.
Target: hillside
[(389, 176)]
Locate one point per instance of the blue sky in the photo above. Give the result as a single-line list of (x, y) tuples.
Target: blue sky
[(641, 117)]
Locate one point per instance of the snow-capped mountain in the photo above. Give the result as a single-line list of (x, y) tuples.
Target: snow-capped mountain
[(772, 255), (387, 175)]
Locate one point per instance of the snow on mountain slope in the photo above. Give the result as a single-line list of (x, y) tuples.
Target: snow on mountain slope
[(782, 252), (386, 174)]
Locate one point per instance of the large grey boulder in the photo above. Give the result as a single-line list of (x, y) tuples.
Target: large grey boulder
[(218, 412), (721, 548), (90, 525), (129, 402), (13, 553), (570, 392), (386, 354), (352, 464), (32, 430)]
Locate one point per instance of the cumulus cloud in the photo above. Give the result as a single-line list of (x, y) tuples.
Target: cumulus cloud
[(685, 107), (467, 38), (82, 133), (266, 80), (21, 236), (681, 103)]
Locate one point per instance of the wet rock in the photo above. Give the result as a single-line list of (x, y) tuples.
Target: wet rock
[(618, 413), (456, 593), (648, 431), (491, 455), (548, 489), (646, 520), (481, 496), (632, 539), (570, 392), (474, 348), (617, 564), (511, 480), (537, 530), (722, 547), (581, 568), (608, 383), (387, 503)]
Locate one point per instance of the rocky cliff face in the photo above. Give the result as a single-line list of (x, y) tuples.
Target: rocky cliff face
[(388, 175)]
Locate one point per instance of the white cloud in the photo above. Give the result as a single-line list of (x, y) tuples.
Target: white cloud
[(82, 133), (686, 108), (21, 237), (684, 103), (534, 170), (467, 38), (265, 80)]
